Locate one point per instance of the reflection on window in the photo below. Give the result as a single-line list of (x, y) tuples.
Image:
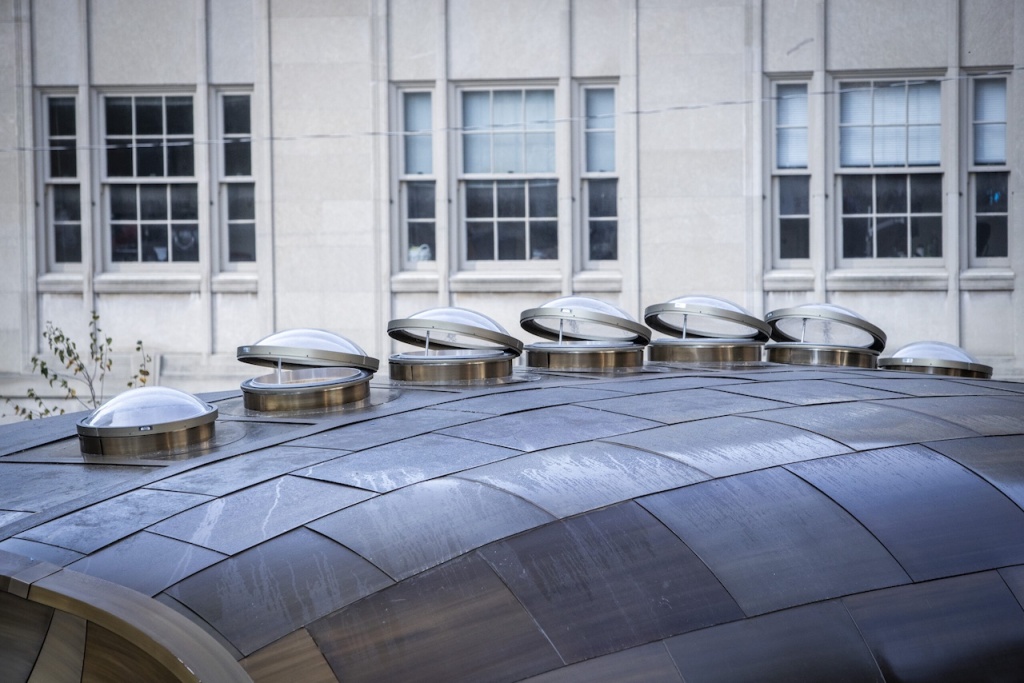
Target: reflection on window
[(892, 216), (63, 192), (511, 220), (151, 137)]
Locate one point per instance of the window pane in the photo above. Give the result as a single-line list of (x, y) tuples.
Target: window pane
[(791, 105), (991, 237), (925, 236), (793, 238), (794, 196), (479, 200), (180, 158), (604, 242), (511, 241), (150, 155), (63, 161), (421, 241), (512, 199), (241, 242), (480, 241), (476, 110), (926, 193), (990, 99), (923, 147), (508, 109), (179, 116), (890, 148), (543, 240), (792, 148), (891, 237), (154, 243), (544, 198), (119, 115), (600, 105), (124, 243), (236, 115), (149, 116), (418, 156), (857, 194), (417, 112), (122, 202), (990, 192), (62, 116), (892, 193), (600, 152), (855, 146), (602, 199), (540, 110), (119, 160), (855, 103), (890, 103), (67, 243), (508, 153), (67, 203), (237, 158), (421, 200), (476, 150), (185, 202), (153, 202), (990, 143), (540, 152), (185, 243), (857, 238), (923, 103)]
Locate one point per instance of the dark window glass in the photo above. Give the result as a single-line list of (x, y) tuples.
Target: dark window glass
[(793, 238), (604, 243), (63, 161), (149, 116), (237, 157), (241, 201), (794, 195), (511, 240), (180, 158), (185, 242), (119, 160), (891, 237), (479, 200), (67, 204), (926, 236), (857, 193), (236, 115), (926, 193), (421, 200), (242, 242), (990, 192), (179, 116), (154, 243), (857, 238), (67, 243), (153, 202), (511, 199), (891, 193), (992, 236), (119, 115), (185, 203), (124, 243), (150, 156), (123, 202), (421, 239), (62, 116), (544, 240), (479, 241), (602, 199)]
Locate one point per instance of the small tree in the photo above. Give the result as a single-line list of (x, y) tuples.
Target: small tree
[(77, 371)]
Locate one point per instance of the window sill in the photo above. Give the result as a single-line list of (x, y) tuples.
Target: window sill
[(415, 281), (882, 281), (235, 283), (61, 283), (597, 281), (524, 281), (987, 280), (119, 283), (789, 281)]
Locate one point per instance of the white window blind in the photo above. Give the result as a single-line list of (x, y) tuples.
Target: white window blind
[(889, 124), (990, 121), (791, 126)]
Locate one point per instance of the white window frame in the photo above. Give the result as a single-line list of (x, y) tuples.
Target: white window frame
[(106, 182), (838, 171), (585, 176), (48, 183), (222, 181), (409, 256), (461, 178), (974, 169), (777, 172)]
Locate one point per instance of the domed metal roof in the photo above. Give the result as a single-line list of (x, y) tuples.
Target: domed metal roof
[(678, 523)]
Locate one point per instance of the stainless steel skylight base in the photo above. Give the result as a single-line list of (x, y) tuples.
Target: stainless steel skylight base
[(585, 358), (313, 397), (146, 444), (809, 354), (704, 351), (928, 367), (411, 368)]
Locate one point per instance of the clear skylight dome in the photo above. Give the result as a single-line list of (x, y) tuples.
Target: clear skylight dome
[(705, 316), (935, 357), (577, 318), (453, 328), (152, 407), (826, 324), (306, 347)]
